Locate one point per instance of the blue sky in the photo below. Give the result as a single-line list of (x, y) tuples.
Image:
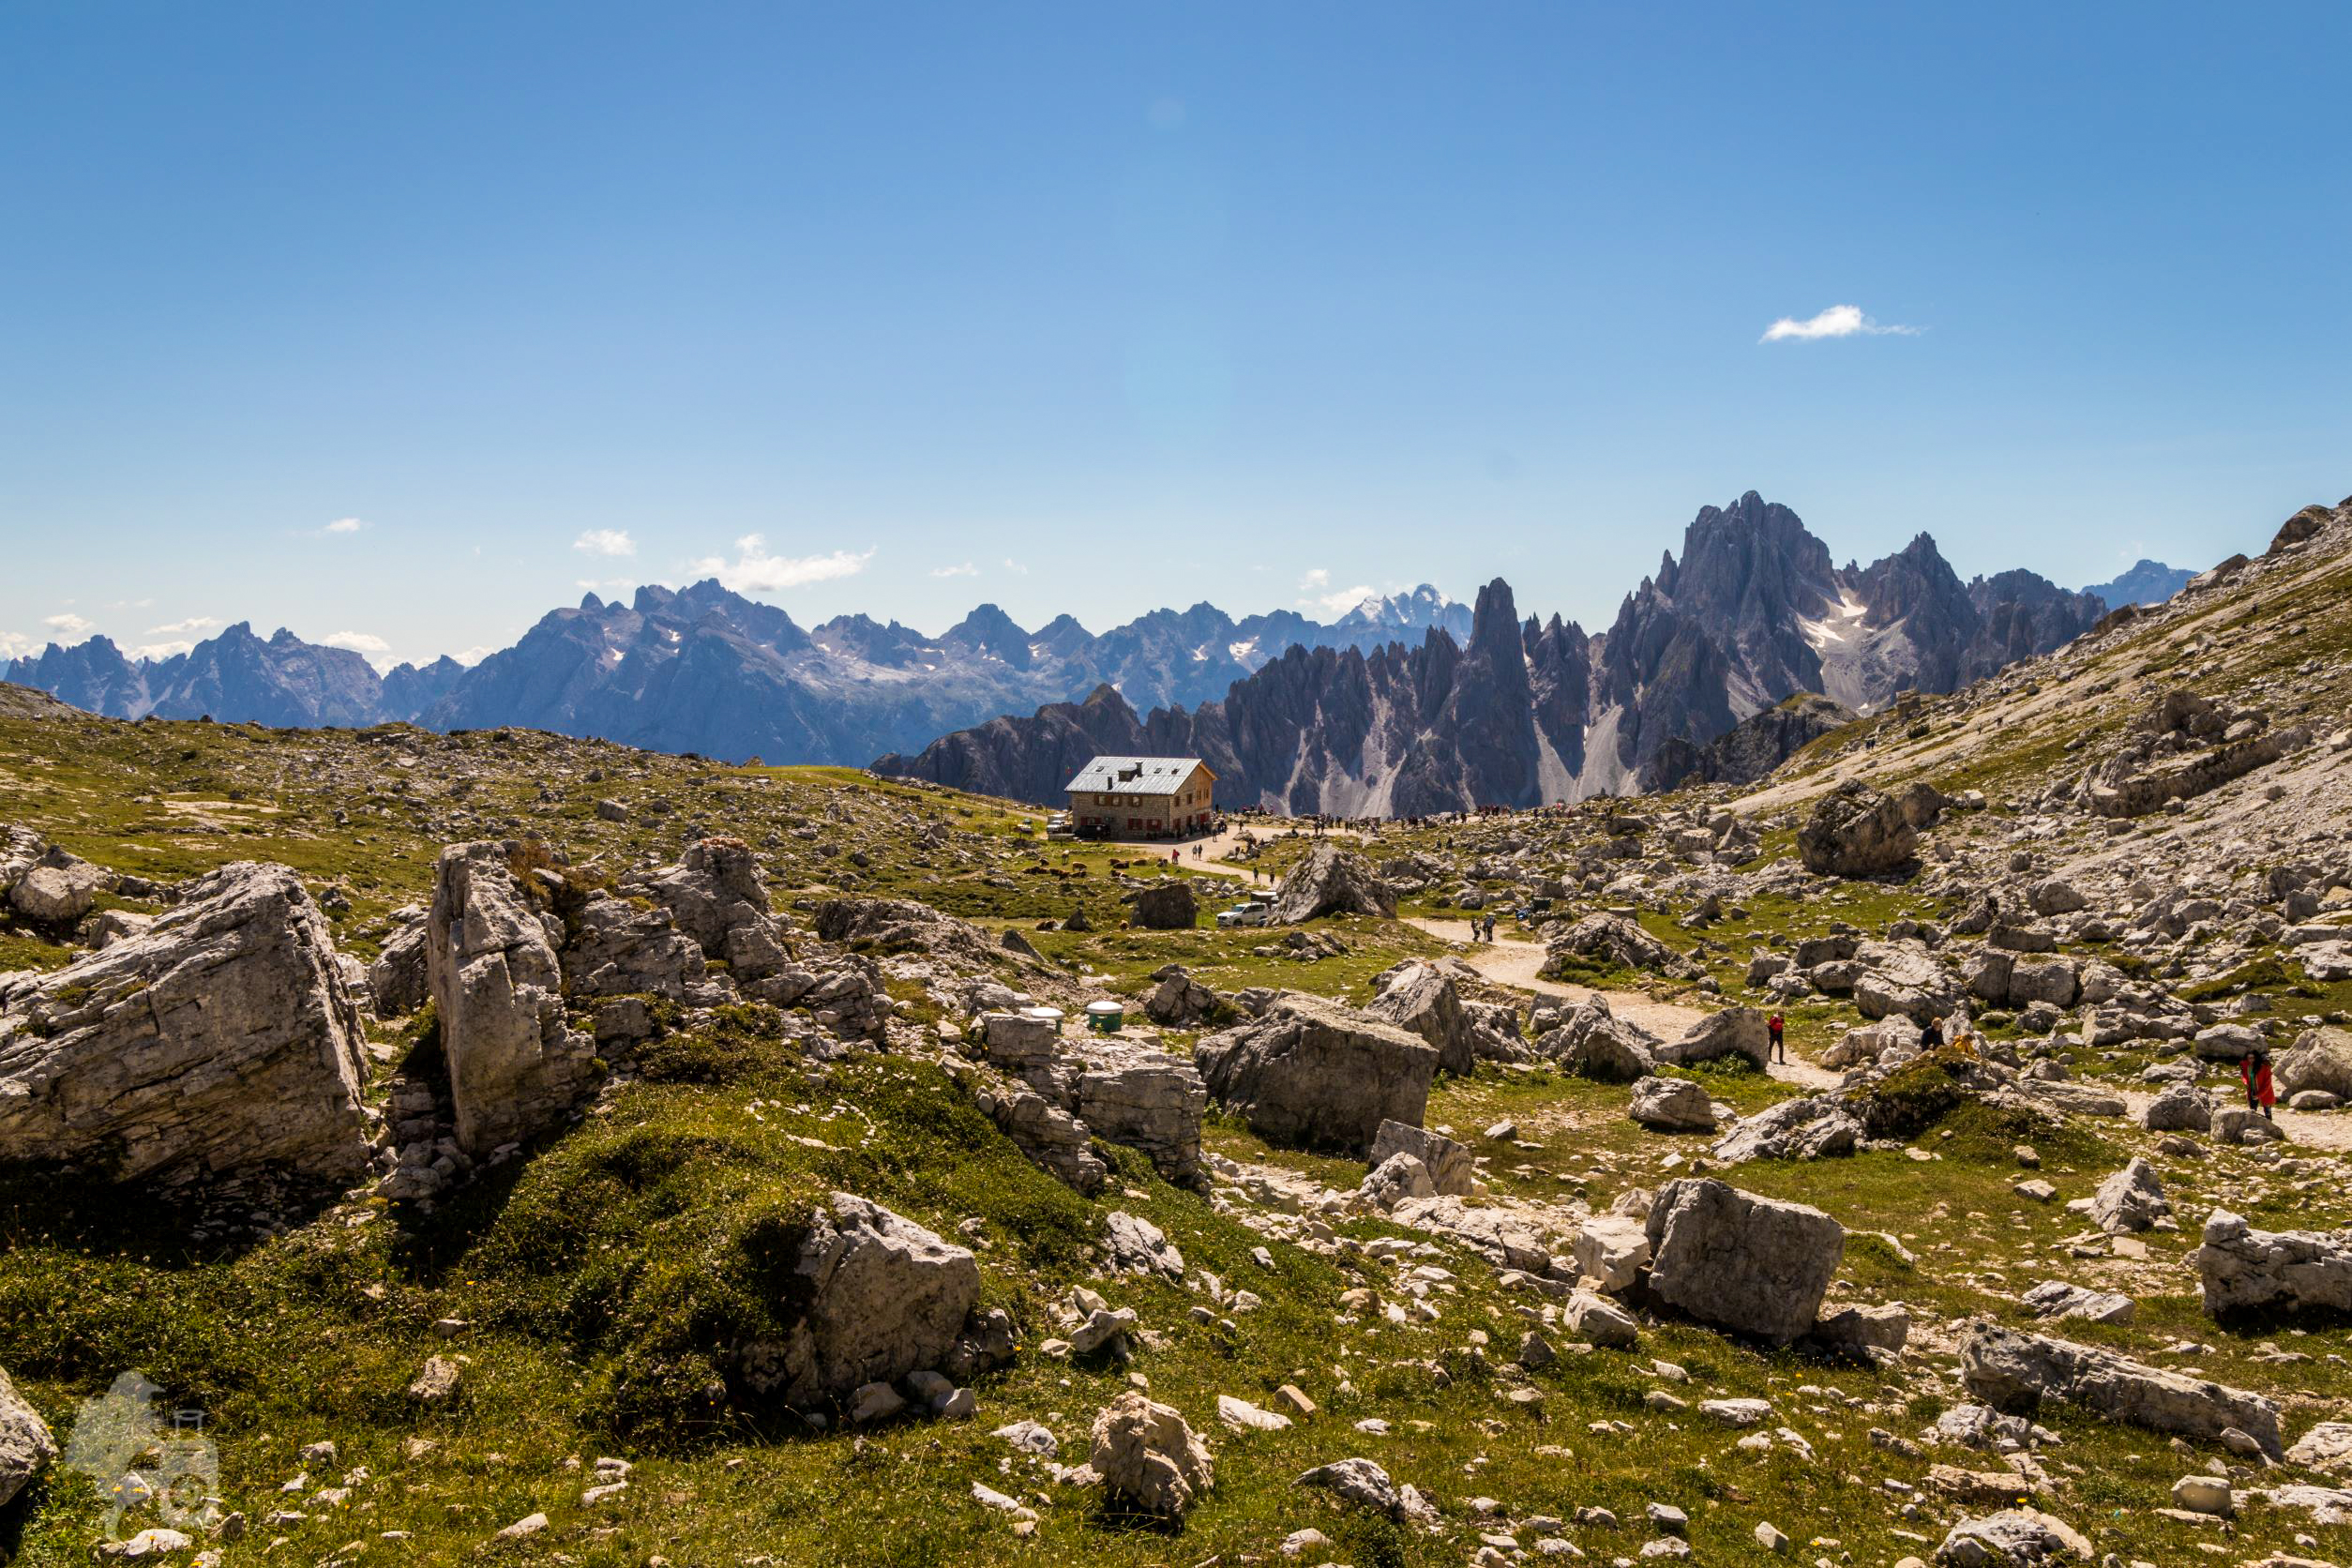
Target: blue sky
[(1097, 307)]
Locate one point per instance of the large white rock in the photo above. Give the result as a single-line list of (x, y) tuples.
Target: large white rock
[(885, 1297), (516, 1067), (2015, 1372), (2301, 1271), (1148, 1457), (1671, 1105), (25, 1443), (1755, 1265), (1315, 1073), (221, 1040), (2131, 1200)]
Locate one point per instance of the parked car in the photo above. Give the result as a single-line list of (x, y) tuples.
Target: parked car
[(1243, 914)]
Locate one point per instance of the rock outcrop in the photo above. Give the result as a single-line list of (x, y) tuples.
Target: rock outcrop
[(1731, 1032), (1314, 1072), (1856, 831), (1754, 1265), (885, 1297), (1612, 939), (2015, 1372), (26, 1442), (1148, 1457), (1332, 881), (1809, 1127), (1424, 1000), (1671, 1105), (1453, 1169), (222, 1040), (516, 1067), (2297, 1270)]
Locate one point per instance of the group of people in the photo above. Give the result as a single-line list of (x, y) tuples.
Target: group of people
[(1482, 927)]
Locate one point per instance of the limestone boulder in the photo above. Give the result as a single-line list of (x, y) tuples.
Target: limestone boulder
[(885, 1297), (1452, 1168), (1611, 939), (1733, 1031), (1332, 881), (1165, 905), (1902, 977), (1397, 1179), (2015, 1372), (1318, 1075), (1178, 1000), (26, 1442), (1671, 1105), (1809, 1127), (1146, 1098), (714, 896), (1754, 1265), (1592, 1042), (2014, 1538), (397, 981), (2131, 1200), (222, 1041), (1856, 831), (57, 892), (2181, 1109), (2297, 1270), (1424, 1000), (1611, 1251), (517, 1068), (617, 948), (2319, 1059), (1148, 1457)]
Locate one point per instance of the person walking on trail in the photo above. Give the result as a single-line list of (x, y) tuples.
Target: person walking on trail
[(2255, 1070), (1780, 1043)]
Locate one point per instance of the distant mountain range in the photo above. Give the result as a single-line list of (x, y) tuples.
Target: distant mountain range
[(708, 671), (2146, 583), (1408, 703), (1528, 712)]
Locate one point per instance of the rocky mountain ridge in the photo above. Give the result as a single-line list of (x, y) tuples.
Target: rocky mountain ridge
[(707, 670), (1525, 713)]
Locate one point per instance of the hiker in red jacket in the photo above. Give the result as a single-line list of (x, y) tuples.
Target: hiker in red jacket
[(1780, 1046), (2255, 1070)]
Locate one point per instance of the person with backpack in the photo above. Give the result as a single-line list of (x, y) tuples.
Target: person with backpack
[(1780, 1043), (2255, 1071)]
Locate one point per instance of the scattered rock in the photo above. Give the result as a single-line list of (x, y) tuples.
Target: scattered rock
[(1755, 1265), (1148, 1457)]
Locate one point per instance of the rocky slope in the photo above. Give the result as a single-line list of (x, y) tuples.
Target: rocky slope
[(706, 670), (1524, 712), (521, 1148)]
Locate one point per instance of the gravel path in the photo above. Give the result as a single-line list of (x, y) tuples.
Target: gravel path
[(1512, 961)]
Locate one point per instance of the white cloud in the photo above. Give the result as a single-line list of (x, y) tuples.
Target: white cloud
[(1015, 567), (158, 649), (341, 525), (1838, 320), (472, 657), (1316, 593), (967, 569), (194, 622), (15, 644), (605, 541), (359, 641), (755, 571), (69, 623)]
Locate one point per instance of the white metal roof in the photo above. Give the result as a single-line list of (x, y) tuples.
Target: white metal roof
[(1134, 776)]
